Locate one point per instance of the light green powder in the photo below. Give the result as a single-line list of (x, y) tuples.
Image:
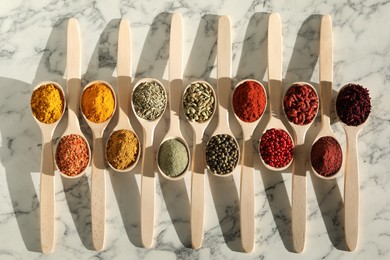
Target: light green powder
[(173, 157)]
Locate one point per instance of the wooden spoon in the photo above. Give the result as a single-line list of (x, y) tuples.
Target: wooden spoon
[(74, 87), (175, 90), (148, 176), (98, 175), (124, 87), (351, 185), (298, 193), (275, 79), (197, 180), (47, 187), (224, 82), (326, 81), (247, 187)]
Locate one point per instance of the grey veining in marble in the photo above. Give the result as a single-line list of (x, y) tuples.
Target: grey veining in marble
[(33, 49)]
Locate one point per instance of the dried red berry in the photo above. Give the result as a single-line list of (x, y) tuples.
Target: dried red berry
[(276, 148)]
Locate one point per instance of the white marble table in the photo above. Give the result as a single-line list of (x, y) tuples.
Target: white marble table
[(33, 49)]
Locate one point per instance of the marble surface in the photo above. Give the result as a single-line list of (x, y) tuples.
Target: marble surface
[(33, 49)]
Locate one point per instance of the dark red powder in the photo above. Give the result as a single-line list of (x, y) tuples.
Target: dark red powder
[(353, 104), (249, 101), (326, 156), (276, 148)]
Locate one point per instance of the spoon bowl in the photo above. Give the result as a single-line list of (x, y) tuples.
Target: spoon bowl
[(47, 186)]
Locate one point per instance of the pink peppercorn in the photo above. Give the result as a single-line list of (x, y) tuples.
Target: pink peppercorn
[(276, 148)]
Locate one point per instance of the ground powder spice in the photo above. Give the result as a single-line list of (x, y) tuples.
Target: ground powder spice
[(326, 156), (173, 157), (249, 101), (72, 155), (47, 103), (98, 103), (122, 149)]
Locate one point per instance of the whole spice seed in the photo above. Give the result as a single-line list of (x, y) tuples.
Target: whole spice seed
[(326, 156), (276, 148), (122, 149), (47, 103), (353, 104), (222, 154), (173, 157), (98, 103), (300, 104), (149, 100), (249, 101), (198, 102), (72, 155)]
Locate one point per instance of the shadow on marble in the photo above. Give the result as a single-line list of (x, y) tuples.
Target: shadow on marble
[(21, 138), (78, 197), (226, 202), (331, 206), (20, 157), (128, 197), (178, 206)]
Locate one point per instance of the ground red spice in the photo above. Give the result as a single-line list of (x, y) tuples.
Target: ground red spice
[(276, 148), (326, 156), (249, 101), (72, 155)]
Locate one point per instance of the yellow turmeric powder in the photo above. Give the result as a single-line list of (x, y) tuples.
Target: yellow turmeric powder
[(98, 103), (47, 103)]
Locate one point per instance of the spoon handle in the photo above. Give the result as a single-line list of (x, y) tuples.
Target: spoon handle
[(98, 194), (73, 64), (197, 192), (351, 192), (298, 218), (275, 41), (175, 70), (326, 68), (224, 69), (124, 72), (147, 190), (247, 197), (47, 204)]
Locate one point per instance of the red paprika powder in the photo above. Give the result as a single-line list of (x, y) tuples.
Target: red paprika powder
[(249, 101)]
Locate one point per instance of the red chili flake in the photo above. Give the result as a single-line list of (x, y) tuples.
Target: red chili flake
[(72, 155), (276, 148)]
